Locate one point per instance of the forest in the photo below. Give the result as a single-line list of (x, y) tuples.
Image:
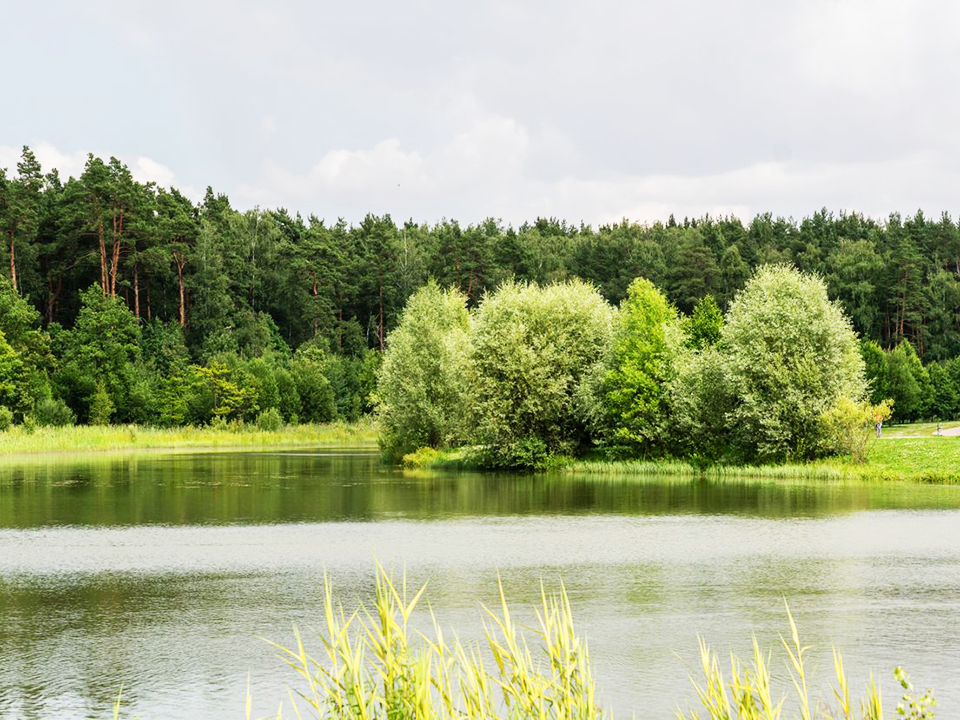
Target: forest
[(127, 302)]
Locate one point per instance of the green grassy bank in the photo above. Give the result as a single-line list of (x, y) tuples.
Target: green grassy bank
[(916, 459), (88, 439), (905, 453)]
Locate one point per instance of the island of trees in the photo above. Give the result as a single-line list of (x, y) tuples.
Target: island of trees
[(124, 302)]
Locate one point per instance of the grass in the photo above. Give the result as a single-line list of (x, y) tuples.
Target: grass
[(917, 429), (905, 453), (91, 439), (372, 666), (925, 459)]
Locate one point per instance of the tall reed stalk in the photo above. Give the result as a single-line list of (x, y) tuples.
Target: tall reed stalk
[(371, 667)]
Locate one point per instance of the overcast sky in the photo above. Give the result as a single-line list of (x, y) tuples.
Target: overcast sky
[(424, 109)]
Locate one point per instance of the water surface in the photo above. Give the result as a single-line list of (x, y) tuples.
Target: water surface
[(162, 572)]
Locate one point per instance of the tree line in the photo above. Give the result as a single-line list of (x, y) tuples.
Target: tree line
[(233, 286)]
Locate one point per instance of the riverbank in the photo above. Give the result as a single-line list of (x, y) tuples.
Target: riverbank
[(914, 459), (18, 442), (908, 453)]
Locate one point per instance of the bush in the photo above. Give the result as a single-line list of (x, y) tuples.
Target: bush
[(6, 418), (849, 426), (422, 390), (793, 354), (532, 348), (101, 407), (52, 413), (270, 420)]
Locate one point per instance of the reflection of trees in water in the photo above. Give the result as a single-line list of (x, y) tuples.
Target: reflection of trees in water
[(296, 487)]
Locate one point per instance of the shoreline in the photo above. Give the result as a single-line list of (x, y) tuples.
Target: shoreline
[(903, 458), (17, 444)]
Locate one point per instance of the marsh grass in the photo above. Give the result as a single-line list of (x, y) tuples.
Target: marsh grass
[(746, 691), (676, 468), (83, 439), (372, 666)]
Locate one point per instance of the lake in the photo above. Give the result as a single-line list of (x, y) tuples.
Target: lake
[(164, 573)]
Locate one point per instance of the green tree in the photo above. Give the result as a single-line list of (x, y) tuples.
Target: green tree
[(317, 401), (12, 385), (646, 337), (422, 393), (706, 323), (101, 407), (104, 346), (19, 208), (531, 349), (793, 354)]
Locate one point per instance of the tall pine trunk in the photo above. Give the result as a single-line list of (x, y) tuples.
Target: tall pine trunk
[(181, 261), (104, 282), (13, 260), (136, 291)]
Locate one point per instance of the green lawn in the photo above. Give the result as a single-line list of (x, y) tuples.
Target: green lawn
[(917, 429), (83, 439), (929, 459)]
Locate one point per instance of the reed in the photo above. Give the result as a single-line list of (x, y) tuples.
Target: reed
[(676, 468), (371, 667)]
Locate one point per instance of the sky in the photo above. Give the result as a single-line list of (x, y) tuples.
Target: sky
[(588, 112)]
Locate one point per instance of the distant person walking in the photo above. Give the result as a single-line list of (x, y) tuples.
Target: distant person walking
[(879, 425)]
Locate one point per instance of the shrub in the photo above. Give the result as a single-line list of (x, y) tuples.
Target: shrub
[(849, 426), (531, 349), (6, 418), (52, 413), (422, 391), (793, 354), (101, 407), (270, 420)]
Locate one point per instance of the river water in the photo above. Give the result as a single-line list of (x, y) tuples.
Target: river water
[(163, 573)]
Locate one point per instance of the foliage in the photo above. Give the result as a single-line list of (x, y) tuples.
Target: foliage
[(702, 398), (103, 346), (914, 708), (317, 402), (646, 339), (101, 407), (270, 420), (706, 323), (531, 348), (52, 413), (6, 418), (422, 384), (109, 279), (371, 665), (12, 390), (371, 668), (849, 426), (908, 384), (747, 692), (792, 355), (226, 399)]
